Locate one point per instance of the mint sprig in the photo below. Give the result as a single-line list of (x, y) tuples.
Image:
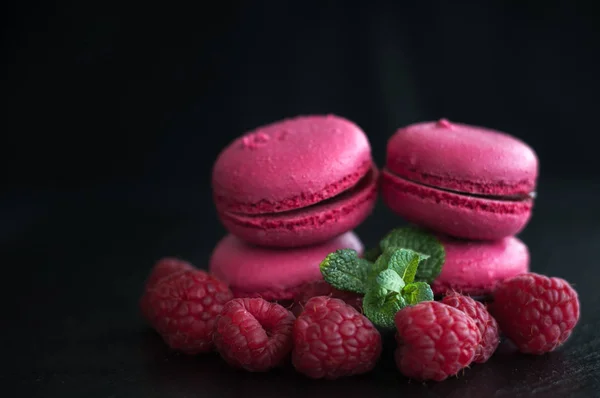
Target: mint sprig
[(406, 263), (391, 276), (344, 270), (392, 288), (380, 264), (381, 305), (420, 241), (416, 292), (390, 280)]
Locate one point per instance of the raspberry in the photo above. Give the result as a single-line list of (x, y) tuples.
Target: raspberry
[(332, 340), (322, 288), (165, 267), (435, 340), (254, 334), (490, 337), (183, 308), (536, 312)]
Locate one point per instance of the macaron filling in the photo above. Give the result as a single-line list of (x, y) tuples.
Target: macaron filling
[(515, 197), (344, 202)]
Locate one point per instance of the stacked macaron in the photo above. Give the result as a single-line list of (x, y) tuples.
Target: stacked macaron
[(472, 186), (289, 193)]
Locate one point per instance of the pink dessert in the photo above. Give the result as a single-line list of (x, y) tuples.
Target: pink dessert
[(273, 274), (474, 268), (464, 181), (296, 182)]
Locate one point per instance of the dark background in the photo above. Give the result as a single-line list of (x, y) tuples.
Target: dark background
[(115, 113)]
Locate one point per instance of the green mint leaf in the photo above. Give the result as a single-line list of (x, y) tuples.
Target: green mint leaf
[(414, 293), (390, 280), (406, 262), (344, 270), (379, 265), (372, 254), (381, 305), (421, 241)]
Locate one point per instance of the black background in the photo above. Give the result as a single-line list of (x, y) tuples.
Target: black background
[(115, 113)]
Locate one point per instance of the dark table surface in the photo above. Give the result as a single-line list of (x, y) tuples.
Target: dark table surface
[(76, 262)]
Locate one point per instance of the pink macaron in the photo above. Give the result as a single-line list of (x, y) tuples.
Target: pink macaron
[(273, 274), (464, 181), (474, 268), (296, 182)]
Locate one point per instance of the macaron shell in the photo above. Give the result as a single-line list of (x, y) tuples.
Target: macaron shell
[(290, 164), (274, 274), (476, 267), (454, 214), (309, 225), (463, 158)]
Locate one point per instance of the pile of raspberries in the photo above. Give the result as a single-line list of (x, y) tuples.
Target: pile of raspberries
[(326, 336)]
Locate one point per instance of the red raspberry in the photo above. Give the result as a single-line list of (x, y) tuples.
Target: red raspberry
[(322, 288), (435, 341), (332, 340), (183, 308), (490, 337), (165, 267), (536, 312), (254, 334)]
